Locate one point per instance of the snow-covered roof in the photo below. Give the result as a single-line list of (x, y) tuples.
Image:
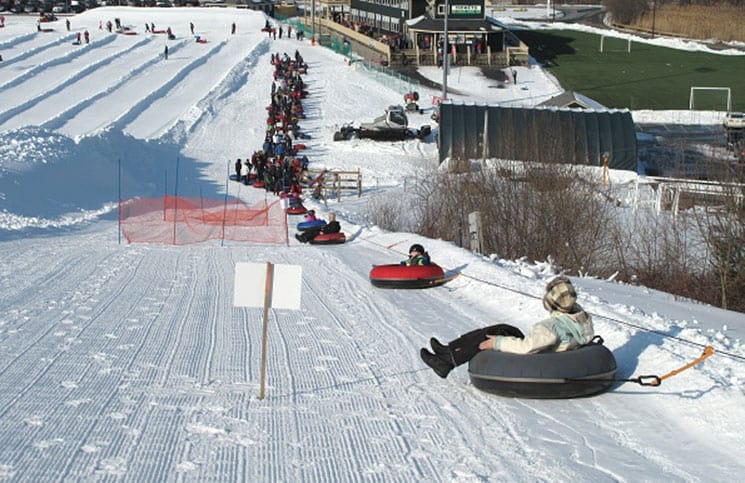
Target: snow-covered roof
[(573, 99)]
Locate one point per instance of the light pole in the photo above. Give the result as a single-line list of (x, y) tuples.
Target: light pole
[(313, 19), (654, 9), (445, 52)]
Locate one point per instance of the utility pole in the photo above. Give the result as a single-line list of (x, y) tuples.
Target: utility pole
[(445, 52), (313, 18)]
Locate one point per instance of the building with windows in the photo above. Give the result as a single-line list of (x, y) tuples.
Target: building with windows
[(413, 31)]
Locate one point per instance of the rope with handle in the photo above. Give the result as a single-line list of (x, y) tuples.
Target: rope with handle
[(657, 380), (652, 380)]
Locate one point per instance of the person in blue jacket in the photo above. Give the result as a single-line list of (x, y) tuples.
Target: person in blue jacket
[(417, 256)]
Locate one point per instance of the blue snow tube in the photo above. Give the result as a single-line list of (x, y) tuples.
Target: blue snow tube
[(585, 371), (310, 225)]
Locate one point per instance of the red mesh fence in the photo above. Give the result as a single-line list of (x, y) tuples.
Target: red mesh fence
[(173, 220)]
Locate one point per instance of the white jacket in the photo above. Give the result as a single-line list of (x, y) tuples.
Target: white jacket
[(559, 332)]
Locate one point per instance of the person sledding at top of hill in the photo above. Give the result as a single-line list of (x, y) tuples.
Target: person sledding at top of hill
[(567, 327), (332, 226), (417, 256)]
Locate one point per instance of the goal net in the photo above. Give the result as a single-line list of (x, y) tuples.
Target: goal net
[(614, 44), (710, 99)]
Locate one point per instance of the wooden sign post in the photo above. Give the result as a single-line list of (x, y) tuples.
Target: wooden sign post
[(282, 288)]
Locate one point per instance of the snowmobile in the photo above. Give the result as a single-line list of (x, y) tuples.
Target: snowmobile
[(392, 126)]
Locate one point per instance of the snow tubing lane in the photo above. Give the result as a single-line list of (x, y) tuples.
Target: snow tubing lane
[(329, 239), (309, 225), (401, 276), (585, 371)]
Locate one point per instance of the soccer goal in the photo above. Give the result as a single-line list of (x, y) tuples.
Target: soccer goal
[(614, 44), (710, 98)]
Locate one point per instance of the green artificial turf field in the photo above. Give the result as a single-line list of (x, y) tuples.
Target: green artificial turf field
[(649, 77)]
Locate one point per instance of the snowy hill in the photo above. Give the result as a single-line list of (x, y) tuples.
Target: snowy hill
[(129, 362)]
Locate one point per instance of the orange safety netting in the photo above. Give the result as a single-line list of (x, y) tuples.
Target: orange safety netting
[(175, 220)]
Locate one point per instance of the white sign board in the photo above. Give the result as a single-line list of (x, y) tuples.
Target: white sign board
[(250, 285)]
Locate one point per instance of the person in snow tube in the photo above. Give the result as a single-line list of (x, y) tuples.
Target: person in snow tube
[(417, 256), (567, 327), (332, 226), (310, 216)]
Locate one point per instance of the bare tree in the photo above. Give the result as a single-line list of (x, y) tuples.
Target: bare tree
[(723, 229), (626, 11)]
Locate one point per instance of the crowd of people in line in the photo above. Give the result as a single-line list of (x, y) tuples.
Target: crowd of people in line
[(278, 166)]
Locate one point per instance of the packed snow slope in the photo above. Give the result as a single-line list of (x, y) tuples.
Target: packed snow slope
[(130, 363)]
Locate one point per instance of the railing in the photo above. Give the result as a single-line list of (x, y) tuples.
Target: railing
[(667, 192), (429, 58), (372, 47), (335, 182)]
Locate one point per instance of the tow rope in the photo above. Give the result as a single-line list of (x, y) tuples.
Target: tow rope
[(442, 280), (650, 380), (654, 380), (657, 380)]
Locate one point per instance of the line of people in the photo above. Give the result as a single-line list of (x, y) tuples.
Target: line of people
[(278, 164)]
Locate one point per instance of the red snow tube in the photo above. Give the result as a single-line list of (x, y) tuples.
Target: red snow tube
[(329, 239), (401, 276), (297, 210), (258, 184)]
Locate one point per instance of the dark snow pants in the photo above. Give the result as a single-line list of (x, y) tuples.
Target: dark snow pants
[(467, 345)]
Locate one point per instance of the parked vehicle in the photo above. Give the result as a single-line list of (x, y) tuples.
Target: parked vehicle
[(391, 126), (735, 120)]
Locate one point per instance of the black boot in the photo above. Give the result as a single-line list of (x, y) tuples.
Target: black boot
[(441, 367), (439, 348)]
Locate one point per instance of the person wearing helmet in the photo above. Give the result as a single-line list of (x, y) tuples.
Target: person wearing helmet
[(567, 327), (417, 256)]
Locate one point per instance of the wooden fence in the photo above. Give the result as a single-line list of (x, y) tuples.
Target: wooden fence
[(334, 182)]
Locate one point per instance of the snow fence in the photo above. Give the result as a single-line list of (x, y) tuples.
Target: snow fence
[(174, 220)]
